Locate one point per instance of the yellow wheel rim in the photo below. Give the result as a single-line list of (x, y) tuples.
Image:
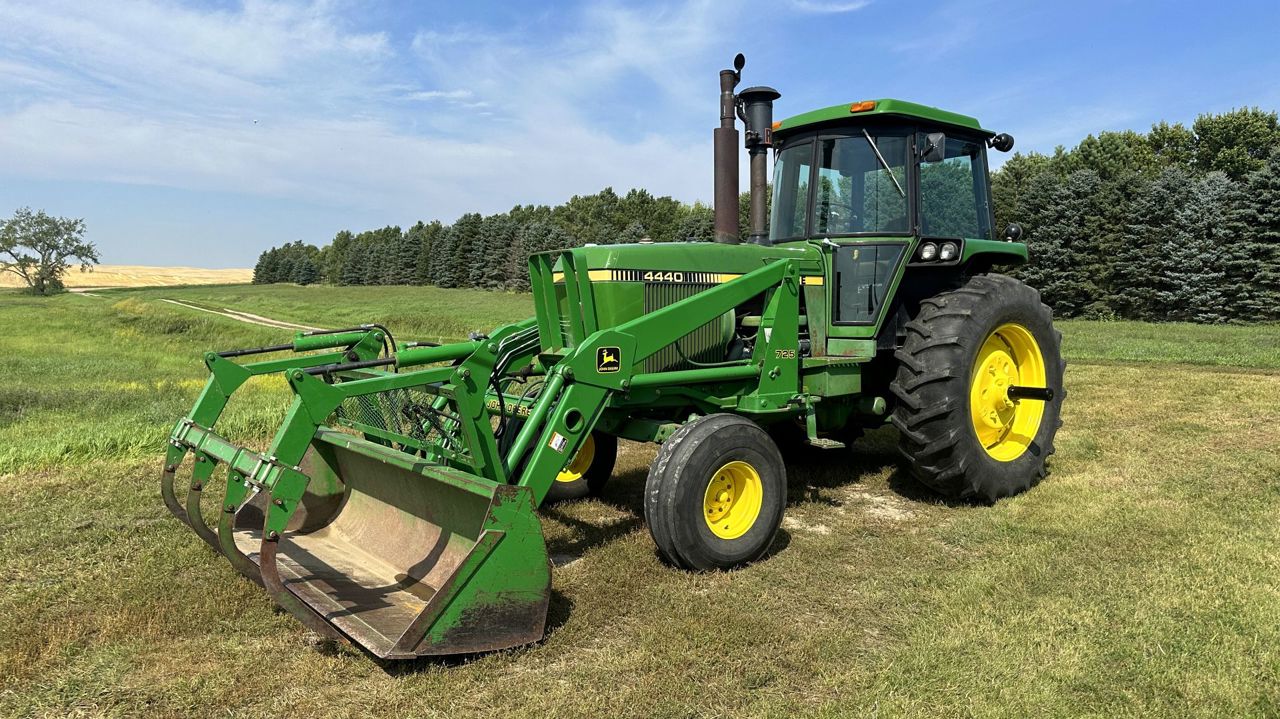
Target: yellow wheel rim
[(1006, 427), (580, 463), (731, 502)]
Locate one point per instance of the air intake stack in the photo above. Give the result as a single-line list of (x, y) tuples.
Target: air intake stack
[(756, 108)]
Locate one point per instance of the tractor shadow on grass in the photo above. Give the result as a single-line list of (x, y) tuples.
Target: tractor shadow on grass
[(811, 470), (811, 474)]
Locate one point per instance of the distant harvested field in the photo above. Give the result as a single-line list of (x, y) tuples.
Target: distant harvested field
[(141, 276)]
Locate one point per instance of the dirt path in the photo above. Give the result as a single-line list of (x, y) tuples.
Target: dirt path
[(244, 317)]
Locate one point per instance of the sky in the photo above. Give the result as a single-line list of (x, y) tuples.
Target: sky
[(201, 133)]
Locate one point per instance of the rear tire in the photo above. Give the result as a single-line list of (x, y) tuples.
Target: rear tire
[(960, 435), (715, 494)]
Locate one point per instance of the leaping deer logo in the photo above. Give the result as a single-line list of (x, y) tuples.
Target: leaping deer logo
[(607, 360)]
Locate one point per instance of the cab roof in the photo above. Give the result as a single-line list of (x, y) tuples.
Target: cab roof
[(885, 107)]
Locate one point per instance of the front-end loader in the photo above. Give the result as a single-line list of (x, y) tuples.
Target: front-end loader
[(396, 506)]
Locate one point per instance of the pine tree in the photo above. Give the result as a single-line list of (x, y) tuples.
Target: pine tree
[(428, 246), (532, 237), (1059, 234), (494, 245), (464, 236), (1141, 274), (355, 270), (286, 267), (407, 250), (1192, 285), (698, 224), (633, 232), (260, 269), (1113, 208), (1252, 262), (306, 272), (336, 257), (443, 254)]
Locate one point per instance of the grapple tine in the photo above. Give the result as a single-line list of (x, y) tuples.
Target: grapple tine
[(200, 475), (283, 597), (172, 460), (227, 543)]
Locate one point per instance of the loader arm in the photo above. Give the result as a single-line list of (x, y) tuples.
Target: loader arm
[(581, 390), (409, 547)]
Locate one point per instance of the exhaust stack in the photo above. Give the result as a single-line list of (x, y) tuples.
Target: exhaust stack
[(755, 106), (726, 157)]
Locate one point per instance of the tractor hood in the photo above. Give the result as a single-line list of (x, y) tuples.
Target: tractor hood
[(691, 262)]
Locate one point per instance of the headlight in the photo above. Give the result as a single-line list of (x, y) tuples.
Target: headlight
[(928, 251), (948, 251)]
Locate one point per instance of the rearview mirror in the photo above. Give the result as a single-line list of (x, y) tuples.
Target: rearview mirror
[(935, 147)]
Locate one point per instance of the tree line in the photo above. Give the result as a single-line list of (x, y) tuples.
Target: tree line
[(1176, 224), (488, 251), (1179, 223)]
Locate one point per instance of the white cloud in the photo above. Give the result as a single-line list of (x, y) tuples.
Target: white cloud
[(426, 95), (285, 100), (816, 6)]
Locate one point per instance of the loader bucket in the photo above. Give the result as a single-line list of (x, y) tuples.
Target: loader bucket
[(410, 558)]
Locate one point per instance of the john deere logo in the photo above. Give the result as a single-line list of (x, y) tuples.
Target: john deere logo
[(607, 359)]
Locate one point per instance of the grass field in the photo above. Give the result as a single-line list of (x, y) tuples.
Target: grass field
[(139, 276), (1141, 579)]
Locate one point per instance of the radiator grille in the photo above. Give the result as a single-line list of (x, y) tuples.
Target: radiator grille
[(705, 344)]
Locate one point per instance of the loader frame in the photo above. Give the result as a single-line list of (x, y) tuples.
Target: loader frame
[(589, 382)]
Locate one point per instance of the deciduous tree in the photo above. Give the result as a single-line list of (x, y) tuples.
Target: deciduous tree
[(40, 248)]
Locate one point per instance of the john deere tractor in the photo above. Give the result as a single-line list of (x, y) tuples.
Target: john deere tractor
[(396, 505)]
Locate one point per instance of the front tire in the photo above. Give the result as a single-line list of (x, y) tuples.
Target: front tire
[(715, 494), (586, 473), (961, 434)]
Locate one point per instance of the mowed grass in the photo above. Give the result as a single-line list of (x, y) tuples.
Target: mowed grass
[(1142, 578), (1173, 342)]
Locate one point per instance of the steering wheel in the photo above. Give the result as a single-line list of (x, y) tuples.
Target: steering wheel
[(837, 212)]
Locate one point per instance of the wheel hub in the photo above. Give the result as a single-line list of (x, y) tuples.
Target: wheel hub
[(994, 378), (731, 503), (1010, 356)]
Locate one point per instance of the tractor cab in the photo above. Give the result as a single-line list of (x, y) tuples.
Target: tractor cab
[(885, 185), (881, 168)]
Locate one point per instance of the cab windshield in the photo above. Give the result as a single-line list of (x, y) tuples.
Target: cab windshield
[(856, 183), (860, 186)]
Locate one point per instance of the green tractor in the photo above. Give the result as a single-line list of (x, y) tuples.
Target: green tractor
[(396, 505)]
